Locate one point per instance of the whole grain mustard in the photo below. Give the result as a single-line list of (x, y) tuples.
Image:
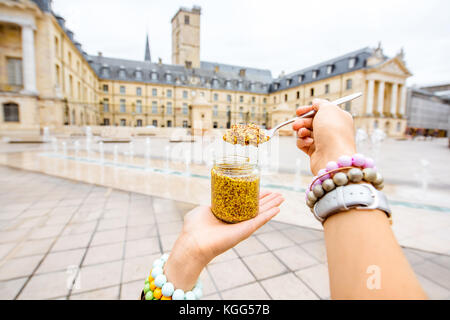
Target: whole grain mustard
[(234, 191)]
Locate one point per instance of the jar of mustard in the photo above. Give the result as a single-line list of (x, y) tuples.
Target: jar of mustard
[(234, 189)]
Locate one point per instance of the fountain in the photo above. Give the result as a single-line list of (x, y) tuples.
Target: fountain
[(64, 148), (76, 145), (54, 145), (298, 174), (377, 138), (46, 135), (101, 151), (115, 153)]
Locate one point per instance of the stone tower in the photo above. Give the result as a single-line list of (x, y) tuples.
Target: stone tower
[(186, 37)]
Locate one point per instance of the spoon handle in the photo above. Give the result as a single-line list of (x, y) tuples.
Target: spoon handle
[(311, 113)]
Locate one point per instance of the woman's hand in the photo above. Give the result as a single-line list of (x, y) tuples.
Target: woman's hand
[(327, 136), (204, 237)]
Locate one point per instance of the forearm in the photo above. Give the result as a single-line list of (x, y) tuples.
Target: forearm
[(184, 264), (362, 249)]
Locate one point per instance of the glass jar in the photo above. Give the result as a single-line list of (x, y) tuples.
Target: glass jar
[(235, 189)]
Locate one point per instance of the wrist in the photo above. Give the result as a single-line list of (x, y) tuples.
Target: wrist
[(185, 263), (331, 152)]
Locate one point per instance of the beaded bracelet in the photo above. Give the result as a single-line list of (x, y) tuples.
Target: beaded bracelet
[(158, 288), (358, 168)]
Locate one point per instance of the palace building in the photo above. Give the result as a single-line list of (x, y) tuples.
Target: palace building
[(47, 80)]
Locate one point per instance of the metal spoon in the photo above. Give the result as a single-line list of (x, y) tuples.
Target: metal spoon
[(270, 133)]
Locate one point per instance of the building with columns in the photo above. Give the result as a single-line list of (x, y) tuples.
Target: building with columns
[(47, 80)]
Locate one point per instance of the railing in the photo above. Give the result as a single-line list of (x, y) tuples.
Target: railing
[(7, 87)]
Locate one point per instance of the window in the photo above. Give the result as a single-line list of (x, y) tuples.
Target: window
[(349, 84), (123, 122), (185, 124), (15, 71), (154, 107), (253, 112), (274, 99), (122, 105), (399, 126), (241, 98), (241, 112), (139, 123), (253, 99), (229, 97), (185, 108), (288, 82), (301, 78), (105, 105), (155, 123), (348, 106), (216, 97), (185, 94), (215, 111), (169, 123), (138, 106), (10, 112), (314, 74), (265, 100), (122, 89), (58, 78), (330, 69), (215, 124), (285, 97), (154, 76), (56, 47), (186, 19), (106, 122), (327, 88), (139, 91), (105, 88), (154, 92), (298, 94), (351, 62), (169, 108), (69, 58), (78, 90), (71, 86), (169, 93), (375, 124), (312, 92)]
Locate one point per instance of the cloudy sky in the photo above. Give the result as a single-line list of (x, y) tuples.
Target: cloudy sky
[(277, 35)]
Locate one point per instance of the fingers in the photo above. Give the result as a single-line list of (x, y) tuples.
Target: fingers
[(304, 142), (302, 123), (303, 109), (303, 133), (275, 202), (268, 198), (264, 193)]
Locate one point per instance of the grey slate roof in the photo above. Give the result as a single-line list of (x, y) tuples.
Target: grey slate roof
[(227, 77), (340, 65)]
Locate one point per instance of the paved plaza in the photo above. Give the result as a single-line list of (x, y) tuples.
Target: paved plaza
[(55, 231)]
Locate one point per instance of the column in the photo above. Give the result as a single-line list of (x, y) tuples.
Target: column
[(394, 99), (381, 98), (28, 60), (370, 94), (403, 92)]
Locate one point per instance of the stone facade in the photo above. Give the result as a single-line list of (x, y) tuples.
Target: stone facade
[(62, 85)]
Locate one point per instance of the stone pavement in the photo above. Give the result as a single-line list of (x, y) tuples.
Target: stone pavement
[(53, 230)]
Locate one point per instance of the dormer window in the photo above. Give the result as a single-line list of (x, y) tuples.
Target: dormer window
[(275, 86), (105, 71), (215, 82), (168, 76), (122, 73), (138, 74), (154, 75), (301, 78), (228, 84), (315, 73), (252, 86), (240, 85), (330, 68), (288, 82), (351, 62)]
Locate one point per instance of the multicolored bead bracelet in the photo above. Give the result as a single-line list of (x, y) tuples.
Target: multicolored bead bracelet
[(357, 168), (158, 288)]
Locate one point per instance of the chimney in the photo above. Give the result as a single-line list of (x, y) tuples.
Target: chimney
[(159, 61), (216, 69), (242, 73), (100, 54)]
